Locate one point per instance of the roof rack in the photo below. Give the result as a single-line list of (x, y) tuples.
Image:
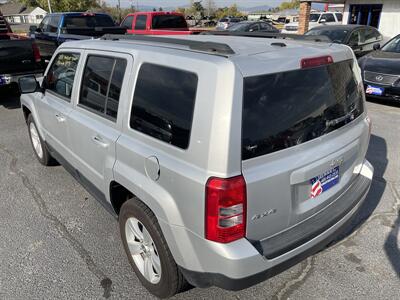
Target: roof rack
[(207, 47), (312, 38)]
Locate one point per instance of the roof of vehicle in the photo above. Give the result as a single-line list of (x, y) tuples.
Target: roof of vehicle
[(78, 14), (342, 27), (156, 13), (250, 54)]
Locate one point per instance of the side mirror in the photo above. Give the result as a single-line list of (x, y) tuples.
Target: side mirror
[(322, 21), (28, 85), (377, 46), (251, 30), (33, 28)]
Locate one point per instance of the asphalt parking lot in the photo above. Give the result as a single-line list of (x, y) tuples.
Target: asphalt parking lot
[(56, 241)]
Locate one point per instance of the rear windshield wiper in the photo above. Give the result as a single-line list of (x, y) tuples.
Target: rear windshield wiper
[(346, 117)]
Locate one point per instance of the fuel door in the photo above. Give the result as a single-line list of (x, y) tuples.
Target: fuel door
[(152, 167)]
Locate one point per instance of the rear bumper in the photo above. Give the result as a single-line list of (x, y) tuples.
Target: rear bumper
[(6, 79), (238, 265)]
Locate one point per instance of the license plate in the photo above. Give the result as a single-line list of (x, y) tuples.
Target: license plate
[(324, 182), (373, 90)]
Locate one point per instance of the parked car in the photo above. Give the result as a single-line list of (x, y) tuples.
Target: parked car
[(157, 23), (316, 19), (251, 26), (360, 38), (223, 164), (58, 28), (224, 23), (381, 71), (19, 56)]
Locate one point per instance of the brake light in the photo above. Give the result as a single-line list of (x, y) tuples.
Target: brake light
[(316, 62), (36, 53), (226, 209)]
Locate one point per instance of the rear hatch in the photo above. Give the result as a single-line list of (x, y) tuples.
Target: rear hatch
[(304, 136)]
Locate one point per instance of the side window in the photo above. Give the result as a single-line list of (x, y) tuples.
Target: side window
[(254, 27), (127, 23), (61, 75), (141, 21), (355, 38), (101, 84), (339, 17), (163, 104), (53, 24), (328, 18), (372, 35), (44, 24)]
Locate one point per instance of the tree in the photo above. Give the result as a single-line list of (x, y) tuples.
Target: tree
[(63, 5), (293, 4)]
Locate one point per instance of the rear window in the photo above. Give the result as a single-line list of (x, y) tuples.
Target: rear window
[(88, 21), (287, 109), (168, 21)]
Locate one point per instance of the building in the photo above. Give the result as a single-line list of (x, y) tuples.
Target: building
[(16, 13), (382, 14)]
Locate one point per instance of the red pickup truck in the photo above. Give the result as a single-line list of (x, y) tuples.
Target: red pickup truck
[(157, 23)]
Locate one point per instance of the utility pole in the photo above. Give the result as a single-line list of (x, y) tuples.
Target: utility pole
[(119, 11), (49, 5)]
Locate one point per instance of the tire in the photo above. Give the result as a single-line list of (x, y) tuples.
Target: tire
[(38, 146), (170, 280)]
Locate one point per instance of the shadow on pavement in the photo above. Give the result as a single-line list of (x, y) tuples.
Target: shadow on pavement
[(9, 97), (384, 102), (391, 247), (377, 155)]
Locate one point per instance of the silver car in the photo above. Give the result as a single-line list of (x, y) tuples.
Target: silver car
[(224, 165)]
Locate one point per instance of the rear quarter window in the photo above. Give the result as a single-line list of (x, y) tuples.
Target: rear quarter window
[(163, 104), (287, 109)]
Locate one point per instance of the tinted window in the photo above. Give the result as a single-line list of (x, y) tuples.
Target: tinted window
[(53, 24), (127, 23), (328, 18), (372, 35), (339, 17), (163, 104), (44, 24), (141, 21), (287, 109), (101, 84), (314, 17), (254, 27), (355, 38), (168, 21), (61, 75), (88, 21), (335, 35)]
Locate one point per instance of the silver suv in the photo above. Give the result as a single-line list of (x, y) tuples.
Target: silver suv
[(226, 159)]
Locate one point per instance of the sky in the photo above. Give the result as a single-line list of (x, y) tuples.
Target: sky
[(244, 3)]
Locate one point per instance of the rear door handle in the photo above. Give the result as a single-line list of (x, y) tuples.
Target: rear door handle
[(60, 118), (100, 141)]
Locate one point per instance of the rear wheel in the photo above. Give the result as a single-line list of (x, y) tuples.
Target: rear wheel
[(148, 251), (39, 148)]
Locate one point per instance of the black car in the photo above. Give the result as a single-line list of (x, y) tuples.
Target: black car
[(381, 71), (252, 26), (360, 38)]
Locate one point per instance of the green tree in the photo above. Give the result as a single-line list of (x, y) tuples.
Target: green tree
[(63, 5), (293, 4)]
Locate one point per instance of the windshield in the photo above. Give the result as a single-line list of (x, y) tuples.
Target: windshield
[(393, 45), (88, 21), (168, 21), (238, 27), (337, 36), (314, 17), (283, 110)]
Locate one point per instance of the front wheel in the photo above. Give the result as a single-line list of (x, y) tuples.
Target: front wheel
[(147, 250), (39, 147)]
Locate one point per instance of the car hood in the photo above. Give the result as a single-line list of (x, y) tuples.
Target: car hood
[(382, 62)]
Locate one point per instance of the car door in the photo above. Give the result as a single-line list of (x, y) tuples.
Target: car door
[(54, 105), (371, 37), (47, 36), (355, 41), (95, 122)]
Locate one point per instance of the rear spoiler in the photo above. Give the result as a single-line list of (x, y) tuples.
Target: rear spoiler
[(93, 31), (312, 38)]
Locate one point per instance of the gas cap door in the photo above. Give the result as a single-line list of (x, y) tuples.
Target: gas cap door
[(152, 167)]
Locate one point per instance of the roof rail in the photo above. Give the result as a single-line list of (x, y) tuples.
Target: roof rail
[(207, 47), (312, 38)]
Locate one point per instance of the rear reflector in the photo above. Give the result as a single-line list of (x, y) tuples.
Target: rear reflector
[(225, 219), (316, 62), (36, 53)]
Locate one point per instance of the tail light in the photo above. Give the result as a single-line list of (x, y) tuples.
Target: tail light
[(226, 206), (36, 53), (316, 62)]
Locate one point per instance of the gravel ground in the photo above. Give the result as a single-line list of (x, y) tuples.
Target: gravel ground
[(56, 241)]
